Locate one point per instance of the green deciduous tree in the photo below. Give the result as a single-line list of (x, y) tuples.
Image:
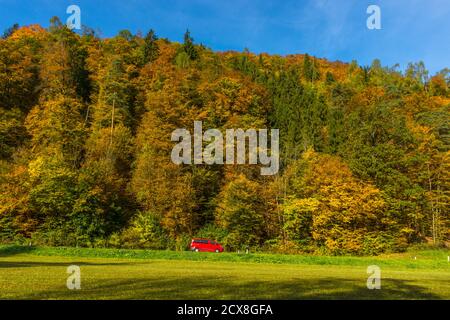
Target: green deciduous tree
[(239, 212)]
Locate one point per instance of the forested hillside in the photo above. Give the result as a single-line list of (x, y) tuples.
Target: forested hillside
[(85, 144)]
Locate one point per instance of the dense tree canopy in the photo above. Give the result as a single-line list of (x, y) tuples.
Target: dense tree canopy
[(85, 145)]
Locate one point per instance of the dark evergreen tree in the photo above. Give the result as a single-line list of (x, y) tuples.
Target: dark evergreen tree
[(151, 49), (189, 47), (8, 32)]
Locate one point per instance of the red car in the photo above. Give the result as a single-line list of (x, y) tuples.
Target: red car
[(205, 245)]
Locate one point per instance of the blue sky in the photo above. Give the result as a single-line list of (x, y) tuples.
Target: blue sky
[(412, 30)]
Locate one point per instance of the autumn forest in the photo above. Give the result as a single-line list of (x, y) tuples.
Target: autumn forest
[(85, 144)]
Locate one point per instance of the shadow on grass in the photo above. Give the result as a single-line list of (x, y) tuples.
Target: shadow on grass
[(228, 288), (29, 264), (11, 250)]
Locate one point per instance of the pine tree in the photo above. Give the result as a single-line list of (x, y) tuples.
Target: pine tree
[(310, 69), (189, 47), (8, 32), (151, 49)]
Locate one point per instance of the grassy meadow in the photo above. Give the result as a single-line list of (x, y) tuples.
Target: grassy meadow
[(40, 273)]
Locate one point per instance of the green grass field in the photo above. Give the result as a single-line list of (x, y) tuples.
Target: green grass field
[(40, 273)]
